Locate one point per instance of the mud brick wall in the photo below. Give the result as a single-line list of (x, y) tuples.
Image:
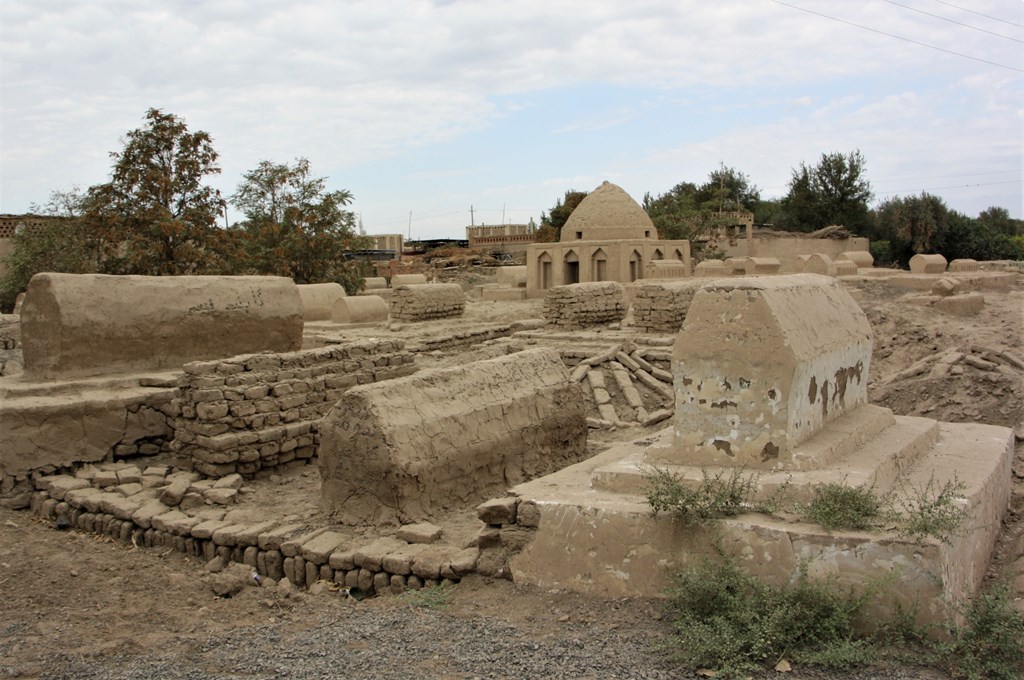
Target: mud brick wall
[(258, 411), (421, 302), (660, 307), (137, 506), (578, 305)]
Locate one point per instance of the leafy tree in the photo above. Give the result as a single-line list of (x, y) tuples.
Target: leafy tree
[(295, 227), (551, 224), (156, 216), (999, 219), (924, 224), (835, 191), (59, 242), (728, 189)]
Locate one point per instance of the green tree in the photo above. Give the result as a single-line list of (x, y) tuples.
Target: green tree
[(53, 239), (999, 220), (295, 227), (551, 223), (728, 189), (155, 215), (835, 191)]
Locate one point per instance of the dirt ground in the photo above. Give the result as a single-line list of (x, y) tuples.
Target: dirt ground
[(73, 601)]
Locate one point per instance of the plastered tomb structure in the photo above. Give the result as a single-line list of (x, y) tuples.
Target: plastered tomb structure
[(407, 448), (711, 269), (799, 349), (862, 258), (361, 309), (76, 325), (963, 265), (819, 263), (375, 283), (593, 530), (318, 300), (927, 264), (422, 302), (408, 280), (667, 269), (109, 349), (846, 268), (759, 266)]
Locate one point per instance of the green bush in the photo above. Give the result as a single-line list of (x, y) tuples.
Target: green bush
[(722, 494), (838, 506), (734, 623), (990, 644)]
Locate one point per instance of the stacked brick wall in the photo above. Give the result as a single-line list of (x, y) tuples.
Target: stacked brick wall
[(421, 302), (578, 305), (258, 411), (661, 307), (137, 507)]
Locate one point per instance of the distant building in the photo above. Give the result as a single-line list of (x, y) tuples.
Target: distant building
[(501, 235), (608, 237), (392, 242)]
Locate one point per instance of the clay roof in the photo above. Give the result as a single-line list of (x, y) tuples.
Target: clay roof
[(609, 209)]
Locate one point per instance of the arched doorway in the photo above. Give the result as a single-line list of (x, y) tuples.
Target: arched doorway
[(571, 268)]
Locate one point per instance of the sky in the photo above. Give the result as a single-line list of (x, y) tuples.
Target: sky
[(427, 109)]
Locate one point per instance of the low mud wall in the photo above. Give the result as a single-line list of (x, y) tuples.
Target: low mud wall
[(77, 325), (422, 302), (404, 449), (258, 411), (579, 305), (660, 307)]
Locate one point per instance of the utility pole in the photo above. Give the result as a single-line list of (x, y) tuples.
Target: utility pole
[(410, 225)]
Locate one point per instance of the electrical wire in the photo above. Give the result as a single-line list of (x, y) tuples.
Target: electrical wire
[(953, 21), (892, 35), (987, 16), (957, 186)]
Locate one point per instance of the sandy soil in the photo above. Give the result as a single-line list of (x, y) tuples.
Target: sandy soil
[(70, 598)]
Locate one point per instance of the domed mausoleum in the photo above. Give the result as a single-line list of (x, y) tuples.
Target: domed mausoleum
[(608, 237)]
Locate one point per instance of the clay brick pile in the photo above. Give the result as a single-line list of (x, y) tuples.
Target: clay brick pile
[(509, 526), (627, 384), (258, 411), (579, 305), (660, 307), (156, 507), (422, 302)]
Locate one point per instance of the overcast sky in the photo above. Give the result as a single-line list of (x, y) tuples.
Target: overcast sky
[(503, 105)]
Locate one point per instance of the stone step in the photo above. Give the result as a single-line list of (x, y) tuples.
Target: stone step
[(596, 540), (863, 453)]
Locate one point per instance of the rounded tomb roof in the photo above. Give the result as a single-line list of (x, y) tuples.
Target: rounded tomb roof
[(608, 213)]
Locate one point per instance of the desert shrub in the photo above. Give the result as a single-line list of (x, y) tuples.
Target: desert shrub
[(838, 506), (734, 623), (990, 643), (725, 493)]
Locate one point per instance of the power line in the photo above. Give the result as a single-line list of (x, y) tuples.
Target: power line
[(953, 21), (987, 16), (957, 186), (891, 35)]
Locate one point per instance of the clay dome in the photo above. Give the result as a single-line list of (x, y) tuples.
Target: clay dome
[(608, 213)]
